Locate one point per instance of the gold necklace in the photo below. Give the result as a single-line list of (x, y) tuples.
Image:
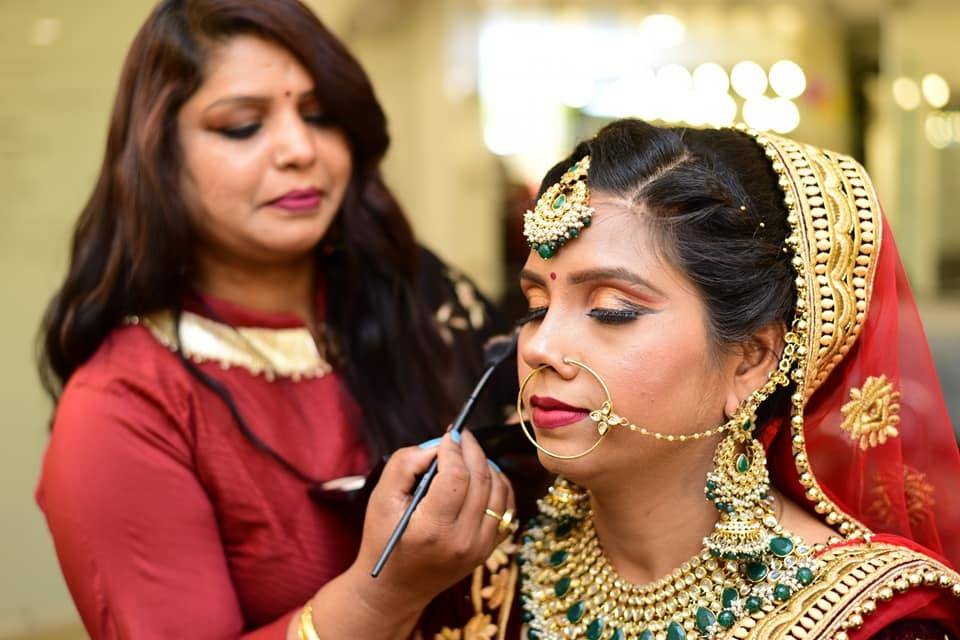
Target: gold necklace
[(570, 590)]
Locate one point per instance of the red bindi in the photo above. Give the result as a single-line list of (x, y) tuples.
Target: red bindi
[(553, 276)]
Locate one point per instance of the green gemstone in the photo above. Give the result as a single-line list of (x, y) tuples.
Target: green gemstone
[(533, 634), (585, 220), (573, 232), (711, 485), (559, 201), (576, 611), (781, 546), (743, 463), (557, 558), (545, 251), (726, 618), (595, 629), (527, 616), (646, 634), (756, 571), (804, 576), (704, 618), (729, 596), (618, 635), (721, 506), (562, 586), (728, 507), (753, 604), (781, 592), (563, 529), (747, 424), (711, 496), (676, 632)]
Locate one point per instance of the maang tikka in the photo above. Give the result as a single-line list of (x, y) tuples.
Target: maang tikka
[(561, 212)]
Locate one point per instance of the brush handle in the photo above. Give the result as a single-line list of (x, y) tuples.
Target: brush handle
[(428, 477)]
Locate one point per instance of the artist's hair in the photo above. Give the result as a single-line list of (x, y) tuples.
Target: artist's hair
[(132, 249), (713, 201)]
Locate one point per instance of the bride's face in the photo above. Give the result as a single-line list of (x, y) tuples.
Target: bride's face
[(611, 301)]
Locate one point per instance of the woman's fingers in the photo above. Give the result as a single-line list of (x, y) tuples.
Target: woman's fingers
[(481, 481), (400, 473), (499, 503), (449, 488)]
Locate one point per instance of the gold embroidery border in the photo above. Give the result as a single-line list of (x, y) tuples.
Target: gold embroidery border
[(854, 580), (289, 353), (835, 230)]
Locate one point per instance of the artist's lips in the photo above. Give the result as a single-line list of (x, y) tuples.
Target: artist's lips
[(550, 413), (298, 200)]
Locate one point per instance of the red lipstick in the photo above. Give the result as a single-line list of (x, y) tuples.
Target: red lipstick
[(298, 200), (550, 413)]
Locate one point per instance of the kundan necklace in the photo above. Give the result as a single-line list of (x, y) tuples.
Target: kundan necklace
[(570, 590)]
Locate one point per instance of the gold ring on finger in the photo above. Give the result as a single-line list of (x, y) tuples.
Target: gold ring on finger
[(508, 522), (494, 514)]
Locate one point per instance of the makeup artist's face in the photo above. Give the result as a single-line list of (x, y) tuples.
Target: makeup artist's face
[(264, 169), (610, 301)]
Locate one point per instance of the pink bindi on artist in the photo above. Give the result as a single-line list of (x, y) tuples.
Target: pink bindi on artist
[(553, 275)]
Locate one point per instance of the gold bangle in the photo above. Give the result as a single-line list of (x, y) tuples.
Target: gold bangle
[(306, 630)]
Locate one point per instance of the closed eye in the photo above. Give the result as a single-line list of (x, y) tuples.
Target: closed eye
[(533, 315)]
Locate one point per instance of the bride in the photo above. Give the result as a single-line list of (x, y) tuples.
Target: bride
[(723, 362)]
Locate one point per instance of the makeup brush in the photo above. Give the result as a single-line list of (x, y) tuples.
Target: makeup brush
[(496, 351)]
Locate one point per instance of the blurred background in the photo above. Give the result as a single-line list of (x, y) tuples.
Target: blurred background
[(483, 96)]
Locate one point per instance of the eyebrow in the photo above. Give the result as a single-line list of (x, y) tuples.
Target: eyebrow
[(612, 273), (590, 275), (535, 278), (246, 99)]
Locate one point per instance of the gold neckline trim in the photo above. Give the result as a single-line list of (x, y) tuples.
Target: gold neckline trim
[(285, 353)]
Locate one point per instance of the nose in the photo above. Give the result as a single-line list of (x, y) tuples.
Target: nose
[(547, 343), (295, 144)]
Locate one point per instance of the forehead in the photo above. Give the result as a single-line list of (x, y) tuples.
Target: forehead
[(250, 64), (617, 235)]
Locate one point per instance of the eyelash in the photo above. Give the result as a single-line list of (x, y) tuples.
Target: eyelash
[(319, 120), (606, 316), (536, 313)]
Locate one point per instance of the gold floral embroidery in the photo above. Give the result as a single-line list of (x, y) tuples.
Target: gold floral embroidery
[(917, 497), (872, 414), (472, 313), (499, 587), (491, 601), (919, 494)]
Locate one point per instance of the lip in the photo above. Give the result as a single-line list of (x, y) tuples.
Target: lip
[(298, 200), (550, 413)]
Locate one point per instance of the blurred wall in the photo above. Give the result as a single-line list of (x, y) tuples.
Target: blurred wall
[(56, 84)]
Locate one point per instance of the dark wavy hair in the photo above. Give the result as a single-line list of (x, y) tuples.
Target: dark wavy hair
[(131, 251), (715, 205)]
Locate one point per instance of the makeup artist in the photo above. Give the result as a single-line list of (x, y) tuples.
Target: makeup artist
[(246, 327)]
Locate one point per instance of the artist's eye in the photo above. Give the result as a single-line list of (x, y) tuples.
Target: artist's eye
[(242, 132)]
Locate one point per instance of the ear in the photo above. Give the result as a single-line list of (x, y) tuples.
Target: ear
[(753, 360)]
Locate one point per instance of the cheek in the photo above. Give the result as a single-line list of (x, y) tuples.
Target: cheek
[(664, 374), (334, 152), (223, 178)]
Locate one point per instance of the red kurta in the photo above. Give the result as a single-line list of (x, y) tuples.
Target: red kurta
[(168, 523)]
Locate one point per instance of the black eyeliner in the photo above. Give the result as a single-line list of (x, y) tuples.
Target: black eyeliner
[(534, 314)]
